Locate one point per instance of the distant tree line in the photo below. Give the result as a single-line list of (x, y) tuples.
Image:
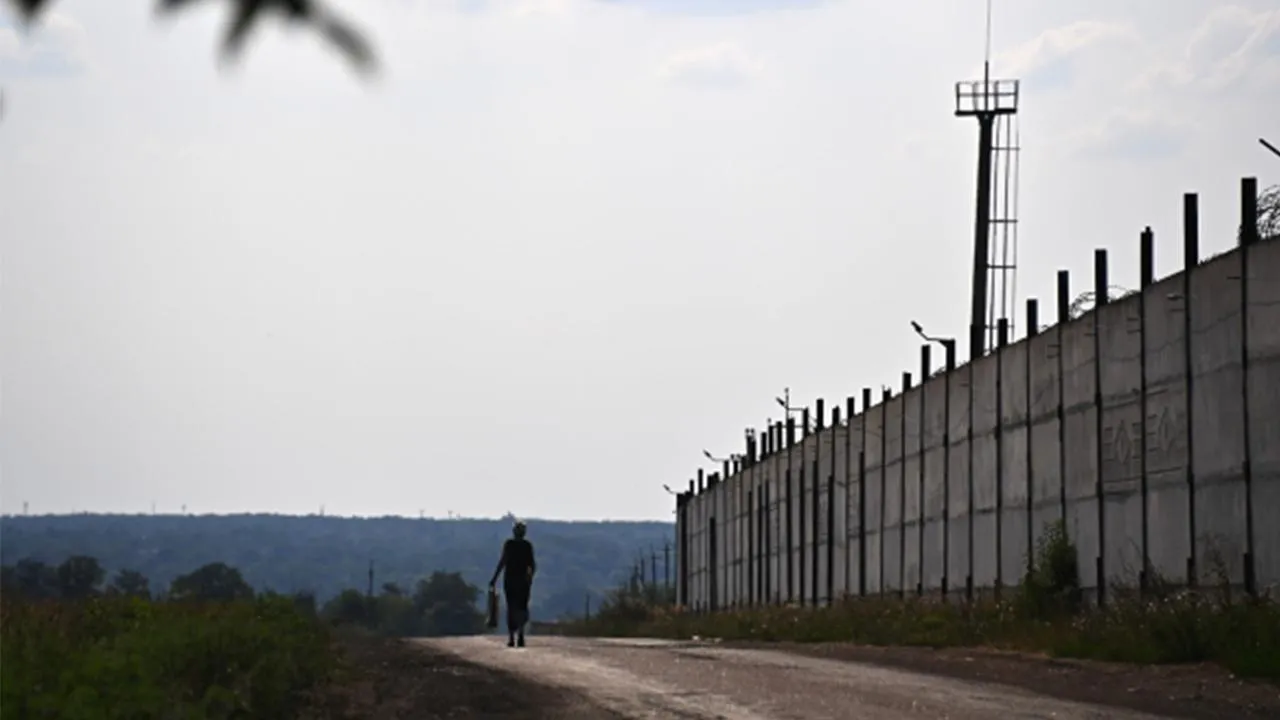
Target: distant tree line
[(441, 604), (327, 555)]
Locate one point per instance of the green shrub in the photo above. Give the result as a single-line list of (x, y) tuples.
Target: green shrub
[(1051, 587), (123, 657)]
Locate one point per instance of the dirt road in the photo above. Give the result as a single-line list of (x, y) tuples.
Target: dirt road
[(695, 681)]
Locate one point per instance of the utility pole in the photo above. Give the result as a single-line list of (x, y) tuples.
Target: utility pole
[(653, 566), (586, 612), (369, 593), (785, 402), (666, 566)]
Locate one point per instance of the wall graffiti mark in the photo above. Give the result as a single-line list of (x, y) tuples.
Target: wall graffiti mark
[(1165, 442)]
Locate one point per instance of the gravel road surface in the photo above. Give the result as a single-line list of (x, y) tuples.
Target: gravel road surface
[(616, 678)]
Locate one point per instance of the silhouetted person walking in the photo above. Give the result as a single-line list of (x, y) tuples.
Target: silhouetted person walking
[(517, 567)]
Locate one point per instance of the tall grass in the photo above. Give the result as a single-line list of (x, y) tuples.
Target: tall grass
[(1044, 613), (119, 657)]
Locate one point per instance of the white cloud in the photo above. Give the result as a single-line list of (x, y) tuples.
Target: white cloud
[(1048, 57), (57, 45), (723, 63), (528, 8), (1233, 47)]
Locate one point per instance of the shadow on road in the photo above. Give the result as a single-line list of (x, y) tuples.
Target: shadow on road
[(385, 679)]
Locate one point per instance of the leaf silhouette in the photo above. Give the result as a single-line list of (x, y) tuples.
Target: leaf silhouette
[(246, 13)]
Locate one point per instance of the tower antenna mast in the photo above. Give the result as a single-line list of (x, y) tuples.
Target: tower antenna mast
[(995, 104)]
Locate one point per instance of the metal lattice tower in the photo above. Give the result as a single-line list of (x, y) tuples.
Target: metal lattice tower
[(995, 229), (1002, 252)]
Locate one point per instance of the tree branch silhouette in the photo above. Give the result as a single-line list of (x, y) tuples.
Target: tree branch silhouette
[(245, 16)]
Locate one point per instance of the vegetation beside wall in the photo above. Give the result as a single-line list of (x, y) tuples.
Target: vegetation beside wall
[(1044, 613)]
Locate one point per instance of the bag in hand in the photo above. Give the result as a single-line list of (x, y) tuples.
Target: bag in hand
[(491, 618)]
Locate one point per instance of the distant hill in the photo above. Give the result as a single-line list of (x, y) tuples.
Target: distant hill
[(327, 554)]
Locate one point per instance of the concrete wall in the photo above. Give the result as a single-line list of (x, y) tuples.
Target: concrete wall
[(1150, 425)]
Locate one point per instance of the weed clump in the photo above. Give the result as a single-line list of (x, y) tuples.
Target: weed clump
[(1051, 587)]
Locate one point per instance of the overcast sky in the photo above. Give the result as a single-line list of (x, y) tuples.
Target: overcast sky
[(558, 247)]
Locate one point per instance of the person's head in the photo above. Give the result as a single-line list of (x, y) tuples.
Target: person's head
[(518, 529)]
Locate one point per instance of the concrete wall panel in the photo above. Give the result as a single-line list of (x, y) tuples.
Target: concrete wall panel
[(1046, 448), (746, 541), (1080, 446), (793, 476), (985, 469), (873, 512), (823, 530), (891, 536), (735, 527), (912, 410), (806, 456), (695, 557), (1015, 476), (740, 482), (1015, 517), (1217, 424), (1264, 406), (1123, 432), (934, 498), (769, 498), (1168, 489), (695, 553), (840, 531), (777, 540), (958, 564), (855, 547), (720, 577)]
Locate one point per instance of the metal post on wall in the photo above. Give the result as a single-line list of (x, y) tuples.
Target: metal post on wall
[(950, 364), (902, 489), (791, 514), (850, 408), (831, 510), (726, 505), (862, 489), (816, 484), (968, 578), (1033, 329), (1146, 278), (1248, 238), (1002, 340), (750, 574), (1064, 317), (1100, 285), (926, 366), (802, 495), (1190, 259), (885, 395)]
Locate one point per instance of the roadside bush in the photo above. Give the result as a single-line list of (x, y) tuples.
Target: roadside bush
[(128, 657)]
